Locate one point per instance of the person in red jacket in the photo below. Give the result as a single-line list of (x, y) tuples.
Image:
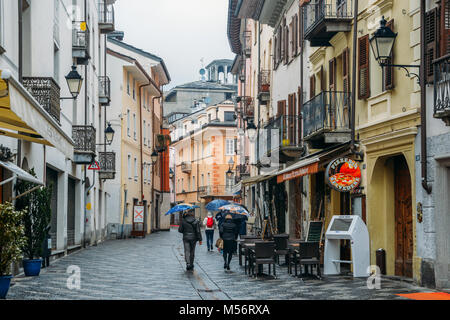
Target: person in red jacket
[(210, 224)]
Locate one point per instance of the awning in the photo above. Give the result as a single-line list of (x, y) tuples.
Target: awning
[(260, 178), (300, 169), (18, 173), (22, 117)]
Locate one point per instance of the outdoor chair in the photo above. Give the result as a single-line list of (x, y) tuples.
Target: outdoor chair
[(308, 255), (246, 252), (281, 247), (264, 253)]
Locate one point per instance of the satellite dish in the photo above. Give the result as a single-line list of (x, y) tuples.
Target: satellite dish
[(202, 71)]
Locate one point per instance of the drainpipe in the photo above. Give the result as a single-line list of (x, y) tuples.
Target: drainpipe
[(153, 148), (20, 14), (355, 38), (423, 102), (141, 140)]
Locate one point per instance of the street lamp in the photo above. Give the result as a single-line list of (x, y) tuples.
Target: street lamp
[(109, 134), (251, 129), (382, 43), (230, 168), (74, 82), (154, 156)]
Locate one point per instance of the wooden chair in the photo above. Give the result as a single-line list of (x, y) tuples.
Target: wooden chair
[(281, 247), (308, 255), (264, 253)]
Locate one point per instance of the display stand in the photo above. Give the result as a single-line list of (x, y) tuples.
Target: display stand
[(347, 228)]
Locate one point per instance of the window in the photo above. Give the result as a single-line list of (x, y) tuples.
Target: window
[(128, 83), (363, 68), (193, 183), (135, 170), (145, 173), (229, 115), (134, 89), (128, 122), (129, 166), (145, 134), (134, 124), (229, 147), (149, 135)]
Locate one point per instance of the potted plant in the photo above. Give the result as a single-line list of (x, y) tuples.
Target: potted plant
[(36, 205), (11, 241)]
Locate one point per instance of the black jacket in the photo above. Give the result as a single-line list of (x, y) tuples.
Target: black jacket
[(228, 230), (190, 228)]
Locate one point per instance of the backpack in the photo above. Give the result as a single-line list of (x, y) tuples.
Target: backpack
[(210, 222)]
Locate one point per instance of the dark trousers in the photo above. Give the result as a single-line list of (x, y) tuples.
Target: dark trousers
[(189, 252), (229, 246), (209, 238)]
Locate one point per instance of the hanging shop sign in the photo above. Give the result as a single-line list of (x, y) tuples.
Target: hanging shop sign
[(343, 174)]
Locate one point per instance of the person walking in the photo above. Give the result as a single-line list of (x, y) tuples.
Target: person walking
[(229, 233), (210, 224), (190, 228)]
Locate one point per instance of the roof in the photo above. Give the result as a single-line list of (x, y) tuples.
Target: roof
[(234, 28), (206, 85), (220, 61), (113, 39)]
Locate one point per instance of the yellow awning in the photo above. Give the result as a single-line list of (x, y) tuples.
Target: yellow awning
[(22, 117)]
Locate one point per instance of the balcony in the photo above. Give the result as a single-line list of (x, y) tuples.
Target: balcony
[(80, 42), (186, 167), (84, 149), (323, 19), (264, 87), (442, 89), (215, 191), (326, 119), (248, 107), (283, 138), (104, 90), (247, 47), (47, 92), (107, 162), (106, 22)]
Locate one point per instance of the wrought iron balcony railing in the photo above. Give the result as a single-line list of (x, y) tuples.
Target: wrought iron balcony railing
[(47, 92), (80, 42), (327, 112), (264, 81), (84, 138), (442, 89), (215, 191), (324, 18), (107, 162), (283, 132), (104, 88), (106, 17)]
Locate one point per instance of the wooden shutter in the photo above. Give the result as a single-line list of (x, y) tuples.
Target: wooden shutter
[(346, 75), (332, 74), (388, 72), (431, 32), (286, 44), (291, 119), (291, 40), (363, 68), (281, 108), (445, 28), (322, 80), (282, 43), (275, 51), (312, 86)]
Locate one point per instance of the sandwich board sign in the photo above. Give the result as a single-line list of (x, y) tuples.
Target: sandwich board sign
[(139, 214), (138, 221)]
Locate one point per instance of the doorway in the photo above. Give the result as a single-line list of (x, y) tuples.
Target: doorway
[(404, 247), (71, 213), (52, 181)]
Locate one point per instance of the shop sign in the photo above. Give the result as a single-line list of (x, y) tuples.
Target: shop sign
[(343, 174), (138, 214), (297, 173)]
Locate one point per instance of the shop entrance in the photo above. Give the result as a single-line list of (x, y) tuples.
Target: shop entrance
[(403, 218)]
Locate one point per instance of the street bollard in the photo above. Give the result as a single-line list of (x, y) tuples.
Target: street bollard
[(381, 260)]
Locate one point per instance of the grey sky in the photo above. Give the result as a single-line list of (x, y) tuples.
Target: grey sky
[(179, 31)]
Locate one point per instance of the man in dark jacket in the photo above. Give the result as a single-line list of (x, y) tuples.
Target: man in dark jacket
[(229, 233), (190, 228)]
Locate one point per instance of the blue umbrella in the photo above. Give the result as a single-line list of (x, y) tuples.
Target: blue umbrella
[(181, 207), (235, 208), (216, 204)]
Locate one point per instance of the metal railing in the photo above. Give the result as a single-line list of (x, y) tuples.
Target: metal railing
[(329, 110), (47, 92), (186, 167), (264, 81), (283, 131), (442, 87), (319, 10), (84, 138), (80, 35), (104, 87), (215, 191), (107, 162), (105, 13)]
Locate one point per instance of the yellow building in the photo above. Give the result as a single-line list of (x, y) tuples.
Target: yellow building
[(204, 142)]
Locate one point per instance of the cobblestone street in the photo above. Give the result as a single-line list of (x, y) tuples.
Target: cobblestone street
[(154, 268)]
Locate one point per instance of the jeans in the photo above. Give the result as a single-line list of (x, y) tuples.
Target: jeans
[(229, 246), (209, 238), (189, 252)]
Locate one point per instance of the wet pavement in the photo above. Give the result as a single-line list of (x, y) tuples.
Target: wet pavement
[(153, 268)]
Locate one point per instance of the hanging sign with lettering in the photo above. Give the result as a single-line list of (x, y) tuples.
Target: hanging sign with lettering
[(343, 174)]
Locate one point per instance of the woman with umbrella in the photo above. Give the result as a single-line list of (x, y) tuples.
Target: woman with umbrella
[(229, 233)]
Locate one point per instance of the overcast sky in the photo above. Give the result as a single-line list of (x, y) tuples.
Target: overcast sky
[(180, 31)]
